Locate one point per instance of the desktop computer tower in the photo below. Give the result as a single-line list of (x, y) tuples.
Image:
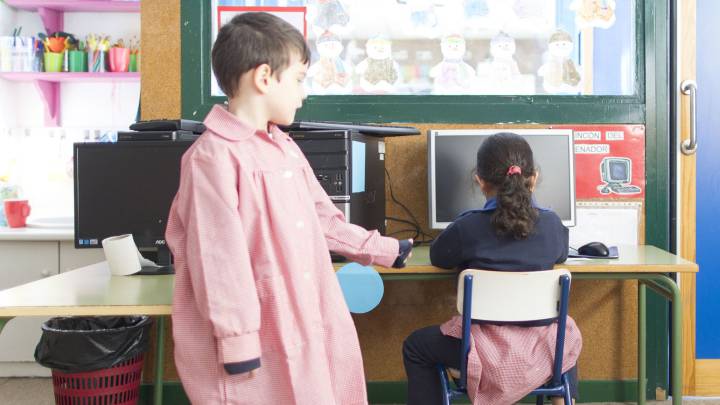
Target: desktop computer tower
[(350, 166)]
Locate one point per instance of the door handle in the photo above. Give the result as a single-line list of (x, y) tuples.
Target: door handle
[(689, 146)]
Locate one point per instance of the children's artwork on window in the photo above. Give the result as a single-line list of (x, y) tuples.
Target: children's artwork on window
[(475, 8), (378, 72), (330, 74), (501, 15), (594, 13), (530, 9), (501, 74), (559, 73), (421, 17), (452, 75), (328, 15), (410, 47)]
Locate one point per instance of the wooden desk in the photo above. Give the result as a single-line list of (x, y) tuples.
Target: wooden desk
[(635, 259), (92, 290)]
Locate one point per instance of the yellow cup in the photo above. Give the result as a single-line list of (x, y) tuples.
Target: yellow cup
[(54, 61)]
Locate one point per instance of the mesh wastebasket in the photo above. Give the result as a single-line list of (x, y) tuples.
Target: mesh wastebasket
[(95, 360), (117, 385)]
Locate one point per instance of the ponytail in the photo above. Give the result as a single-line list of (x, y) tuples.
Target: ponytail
[(515, 215), (505, 161)]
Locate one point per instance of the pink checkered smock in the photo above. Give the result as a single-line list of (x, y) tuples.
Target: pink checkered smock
[(507, 362), (250, 229)]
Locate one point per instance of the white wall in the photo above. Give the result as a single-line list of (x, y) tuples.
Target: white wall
[(84, 108)]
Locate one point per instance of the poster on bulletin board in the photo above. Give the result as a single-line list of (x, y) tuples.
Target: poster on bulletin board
[(224, 10), (609, 161)]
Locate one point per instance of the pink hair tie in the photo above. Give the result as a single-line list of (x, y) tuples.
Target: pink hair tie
[(514, 170)]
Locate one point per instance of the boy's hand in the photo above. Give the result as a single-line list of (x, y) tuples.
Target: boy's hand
[(242, 367), (404, 254)]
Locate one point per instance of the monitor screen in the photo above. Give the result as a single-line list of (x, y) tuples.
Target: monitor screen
[(619, 170), (125, 187), (452, 156)]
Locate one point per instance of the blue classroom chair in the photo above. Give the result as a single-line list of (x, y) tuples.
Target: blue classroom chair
[(512, 297)]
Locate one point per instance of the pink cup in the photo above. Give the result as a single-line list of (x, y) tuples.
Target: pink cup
[(16, 212), (119, 59)]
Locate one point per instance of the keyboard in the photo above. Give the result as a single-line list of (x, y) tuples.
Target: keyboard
[(626, 189), (368, 129)]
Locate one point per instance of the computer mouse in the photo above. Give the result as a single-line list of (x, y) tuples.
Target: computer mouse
[(594, 249)]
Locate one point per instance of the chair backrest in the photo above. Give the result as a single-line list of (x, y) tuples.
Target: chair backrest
[(512, 296), (498, 296)]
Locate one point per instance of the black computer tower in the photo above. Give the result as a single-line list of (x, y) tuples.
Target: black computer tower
[(350, 166)]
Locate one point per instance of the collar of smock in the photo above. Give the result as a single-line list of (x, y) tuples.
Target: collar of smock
[(220, 121)]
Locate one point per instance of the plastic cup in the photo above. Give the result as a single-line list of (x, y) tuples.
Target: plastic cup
[(53, 62), (133, 65), (119, 59), (77, 61), (96, 61)]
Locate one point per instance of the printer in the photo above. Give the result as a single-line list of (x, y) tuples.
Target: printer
[(350, 166)]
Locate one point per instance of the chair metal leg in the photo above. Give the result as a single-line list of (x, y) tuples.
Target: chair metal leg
[(566, 393), (539, 399), (445, 383)]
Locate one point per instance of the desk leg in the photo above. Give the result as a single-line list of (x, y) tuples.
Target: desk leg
[(3, 322), (159, 360), (676, 344), (666, 286), (642, 341)]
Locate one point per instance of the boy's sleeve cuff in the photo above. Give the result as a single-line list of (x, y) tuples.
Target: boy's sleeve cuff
[(387, 252), (236, 349), (242, 367)]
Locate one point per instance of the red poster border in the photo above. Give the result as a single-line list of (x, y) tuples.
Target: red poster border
[(221, 9)]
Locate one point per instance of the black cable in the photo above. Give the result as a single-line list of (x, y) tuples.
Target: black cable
[(415, 223), (401, 231), (415, 227)]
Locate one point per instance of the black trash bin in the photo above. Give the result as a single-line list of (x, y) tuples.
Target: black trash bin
[(95, 359)]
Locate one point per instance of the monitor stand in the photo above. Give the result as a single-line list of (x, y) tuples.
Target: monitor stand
[(164, 260)]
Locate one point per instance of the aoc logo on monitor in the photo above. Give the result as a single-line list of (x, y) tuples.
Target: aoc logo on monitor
[(159, 242)]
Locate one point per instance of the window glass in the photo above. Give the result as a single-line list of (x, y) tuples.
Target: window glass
[(450, 47)]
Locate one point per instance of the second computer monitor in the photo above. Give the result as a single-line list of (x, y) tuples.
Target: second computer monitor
[(452, 158)]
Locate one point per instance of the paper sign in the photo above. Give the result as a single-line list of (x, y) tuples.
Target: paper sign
[(610, 223), (609, 161)]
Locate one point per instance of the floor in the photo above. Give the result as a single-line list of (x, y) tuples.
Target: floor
[(38, 391)]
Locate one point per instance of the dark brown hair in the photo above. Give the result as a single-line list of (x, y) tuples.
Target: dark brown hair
[(250, 40), (515, 215)]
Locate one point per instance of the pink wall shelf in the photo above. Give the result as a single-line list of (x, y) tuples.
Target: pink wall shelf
[(49, 86), (71, 76), (51, 11)]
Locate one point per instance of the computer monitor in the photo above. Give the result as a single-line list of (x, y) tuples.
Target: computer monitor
[(126, 187), (616, 170), (616, 174), (452, 157)]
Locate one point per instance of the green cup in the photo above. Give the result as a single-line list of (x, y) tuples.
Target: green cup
[(53, 62), (133, 66), (77, 61)]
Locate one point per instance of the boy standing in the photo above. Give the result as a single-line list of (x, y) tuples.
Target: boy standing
[(258, 315)]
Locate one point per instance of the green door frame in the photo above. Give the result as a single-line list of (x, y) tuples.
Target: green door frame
[(649, 106)]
